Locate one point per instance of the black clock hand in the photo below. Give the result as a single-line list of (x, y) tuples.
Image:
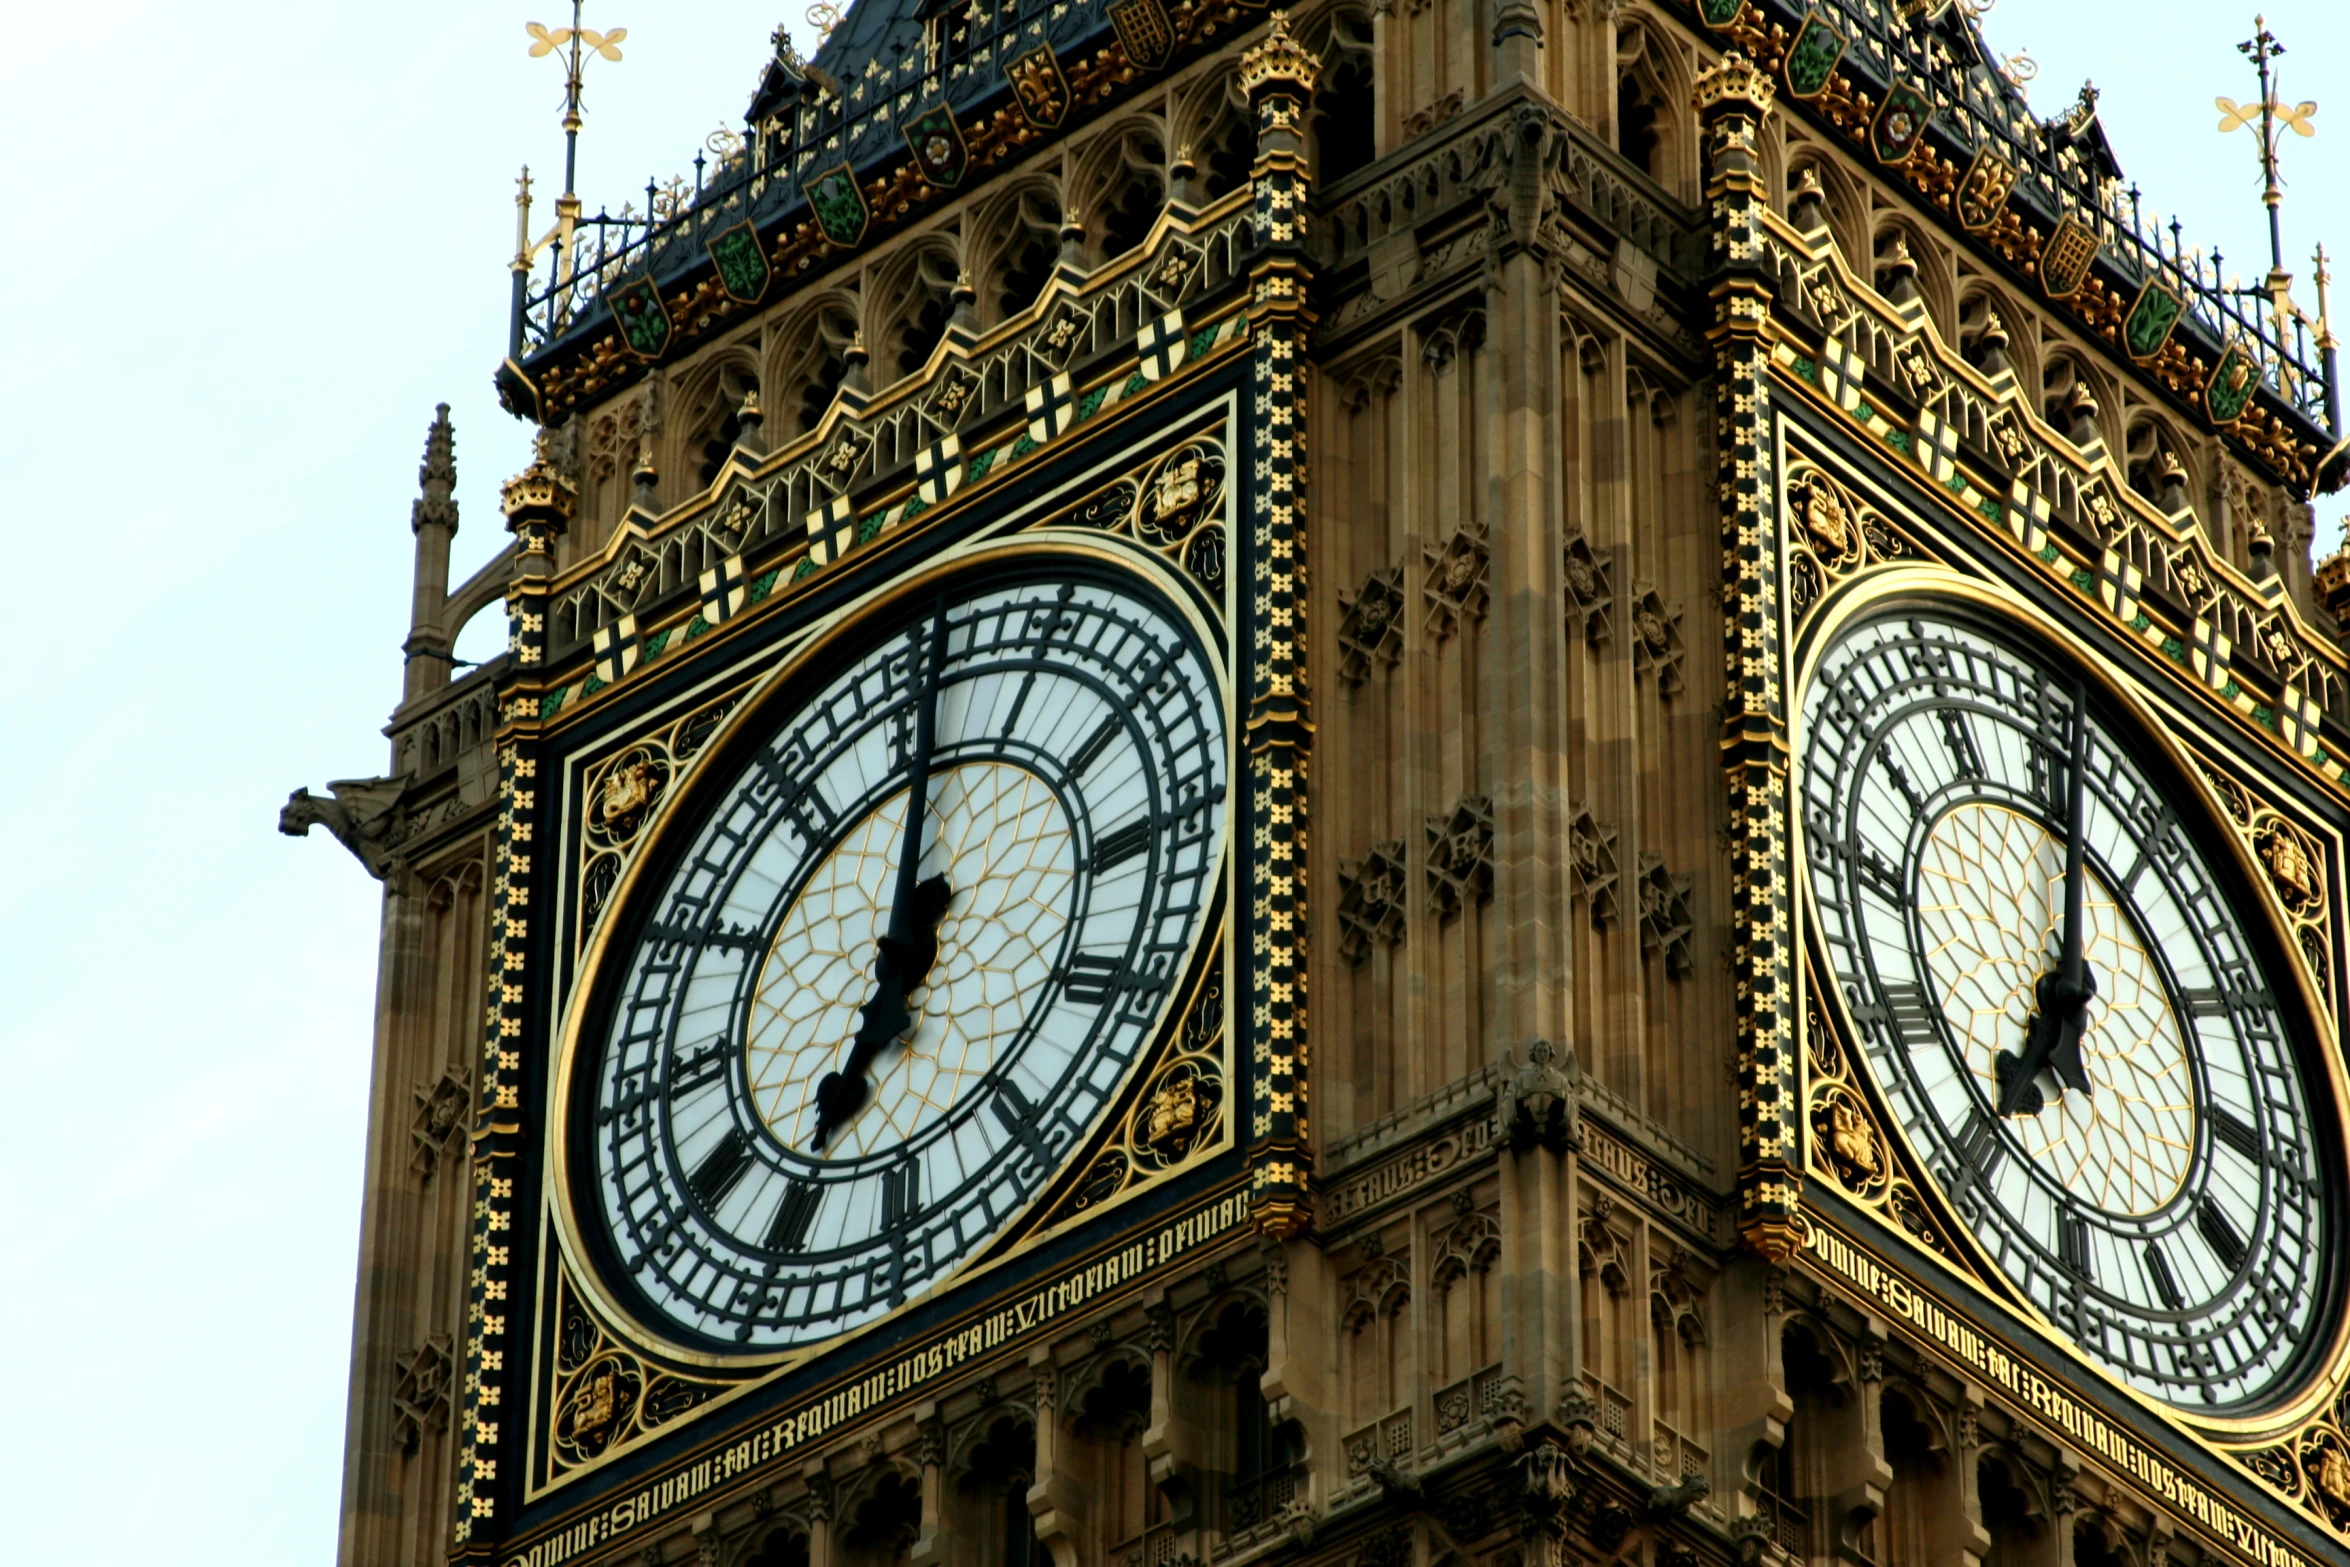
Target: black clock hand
[(2053, 1039), (910, 945)]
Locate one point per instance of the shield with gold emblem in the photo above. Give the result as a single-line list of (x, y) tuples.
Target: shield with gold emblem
[(1982, 195)]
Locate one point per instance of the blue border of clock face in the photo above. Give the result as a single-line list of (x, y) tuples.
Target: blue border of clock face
[(2275, 1146), (770, 1300)]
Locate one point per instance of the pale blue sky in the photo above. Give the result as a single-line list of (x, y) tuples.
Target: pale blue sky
[(252, 244)]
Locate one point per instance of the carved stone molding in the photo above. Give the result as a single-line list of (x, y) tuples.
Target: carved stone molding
[(420, 1392), (1371, 900), (1460, 856), (441, 1110), (1370, 625), (1664, 914), (1591, 593), (1657, 650), (1454, 583), (1591, 847)]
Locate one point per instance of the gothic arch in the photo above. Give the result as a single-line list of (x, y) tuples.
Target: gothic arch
[(1011, 247), (1342, 124), (708, 400), (2158, 461), (809, 359), (1842, 202), (1110, 1396), (2014, 344), (1120, 184), (1654, 129), (909, 303), (2076, 397), (1379, 1288), (1901, 259)]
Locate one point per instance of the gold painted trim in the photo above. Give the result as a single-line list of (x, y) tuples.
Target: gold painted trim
[(1863, 595), (751, 711)]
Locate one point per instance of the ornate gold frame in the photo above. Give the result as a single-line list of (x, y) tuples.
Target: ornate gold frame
[(1869, 590)]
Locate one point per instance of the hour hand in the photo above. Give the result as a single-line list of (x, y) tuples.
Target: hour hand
[(2052, 1043), (904, 963)]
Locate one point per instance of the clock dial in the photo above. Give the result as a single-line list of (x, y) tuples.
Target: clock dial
[(2064, 1007), (830, 1071)]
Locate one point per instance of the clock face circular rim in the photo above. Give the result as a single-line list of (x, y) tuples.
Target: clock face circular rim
[(813, 654), (2312, 1375)]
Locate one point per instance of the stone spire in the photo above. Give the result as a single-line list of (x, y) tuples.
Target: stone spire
[(432, 517), (437, 477)]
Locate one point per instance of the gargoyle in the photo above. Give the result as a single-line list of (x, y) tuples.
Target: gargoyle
[(358, 816)]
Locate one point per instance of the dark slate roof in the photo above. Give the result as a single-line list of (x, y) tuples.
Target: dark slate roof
[(889, 60)]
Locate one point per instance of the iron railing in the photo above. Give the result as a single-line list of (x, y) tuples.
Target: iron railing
[(758, 175), (2058, 174)]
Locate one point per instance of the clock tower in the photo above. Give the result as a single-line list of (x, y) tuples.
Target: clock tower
[(1376, 786)]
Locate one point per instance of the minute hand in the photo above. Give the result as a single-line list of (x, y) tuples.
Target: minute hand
[(2054, 1040), (910, 944)]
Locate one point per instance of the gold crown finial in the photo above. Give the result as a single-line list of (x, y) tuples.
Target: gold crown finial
[(1733, 79), (1279, 59), (540, 493)]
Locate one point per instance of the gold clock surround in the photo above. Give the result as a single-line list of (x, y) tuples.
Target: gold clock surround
[(678, 808), (1856, 600)]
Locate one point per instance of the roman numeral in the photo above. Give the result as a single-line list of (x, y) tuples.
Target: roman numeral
[(1878, 877), (1095, 744), (1961, 741), (793, 1216), (2230, 1129), (901, 1194), (1980, 1145), (1980, 1152), (701, 1066), (2204, 1001), (721, 1168), (682, 934), (1118, 847), (2072, 1247), (1092, 979), (1019, 701), (1019, 1118), (1905, 1009), (2166, 1283), (2219, 1234)]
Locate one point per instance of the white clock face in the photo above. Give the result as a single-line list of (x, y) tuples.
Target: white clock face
[(2142, 1163), (830, 1073)]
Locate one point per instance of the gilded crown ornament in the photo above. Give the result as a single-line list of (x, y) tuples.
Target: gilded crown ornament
[(1280, 59), (1736, 79), (540, 494)]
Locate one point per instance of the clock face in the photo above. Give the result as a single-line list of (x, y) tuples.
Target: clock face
[(2090, 1057), (829, 1074)]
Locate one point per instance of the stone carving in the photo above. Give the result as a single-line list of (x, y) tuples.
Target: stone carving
[(1591, 594), (440, 1111), (1592, 850), (1664, 914), (1600, 1250), (1656, 642), (1460, 856), (1455, 582), (420, 1392), (362, 815), (1370, 625), (1673, 1296), (1371, 900), (1538, 1099)]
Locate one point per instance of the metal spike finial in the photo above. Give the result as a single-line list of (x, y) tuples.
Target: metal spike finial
[(2274, 115), (575, 43)]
